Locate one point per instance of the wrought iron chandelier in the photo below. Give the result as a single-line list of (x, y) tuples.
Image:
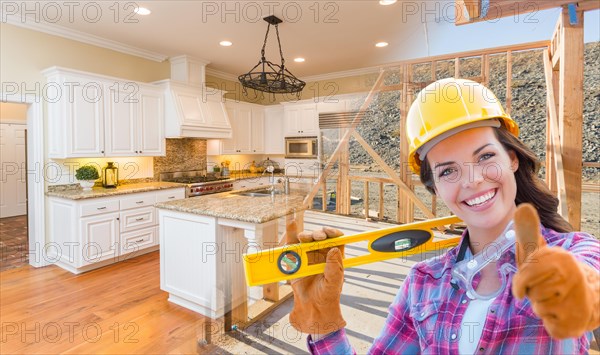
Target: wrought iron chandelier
[(270, 77)]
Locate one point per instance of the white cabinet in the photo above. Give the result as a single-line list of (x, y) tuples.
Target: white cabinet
[(95, 116), (134, 121), (273, 132), (75, 117), (99, 238), (151, 135), (301, 120), (247, 124), (258, 130), (87, 234), (241, 125)]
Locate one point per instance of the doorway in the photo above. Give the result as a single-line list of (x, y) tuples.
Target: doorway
[(14, 241)]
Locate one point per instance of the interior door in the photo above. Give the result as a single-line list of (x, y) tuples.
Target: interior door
[(13, 174)]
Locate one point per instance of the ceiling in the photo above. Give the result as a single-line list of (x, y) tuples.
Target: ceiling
[(333, 36)]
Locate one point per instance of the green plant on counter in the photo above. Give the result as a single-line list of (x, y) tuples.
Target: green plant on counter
[(86, 172)]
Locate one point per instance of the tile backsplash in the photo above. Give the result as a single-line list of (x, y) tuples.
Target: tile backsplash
[(182, 154)]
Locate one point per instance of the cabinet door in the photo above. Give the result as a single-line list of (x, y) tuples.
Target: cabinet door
[(121, 115), (291, 118), (99, 238), (151, 134), (85, 131), (274, 131), (228, 145), (308, 123), (241, 125), (258, 129), (243, 130)]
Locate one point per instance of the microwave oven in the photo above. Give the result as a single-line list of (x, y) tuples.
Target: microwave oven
[(301, 147)]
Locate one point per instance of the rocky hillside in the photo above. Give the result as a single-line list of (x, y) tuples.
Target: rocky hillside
[(380, 126)]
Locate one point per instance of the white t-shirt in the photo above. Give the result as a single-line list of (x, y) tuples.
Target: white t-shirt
[(472, 324)]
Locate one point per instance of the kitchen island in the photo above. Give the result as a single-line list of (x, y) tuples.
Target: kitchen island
[(202, 240)]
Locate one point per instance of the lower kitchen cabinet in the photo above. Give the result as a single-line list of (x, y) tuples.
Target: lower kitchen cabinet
[(99, 238), (91, 233)]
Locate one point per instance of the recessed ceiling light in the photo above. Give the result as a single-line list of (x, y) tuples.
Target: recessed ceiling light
[(225, 43), (142, 11), (381, 44), (387, 2), (299, 60)]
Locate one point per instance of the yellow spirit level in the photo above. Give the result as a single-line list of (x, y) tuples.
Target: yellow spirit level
[(291, 261)]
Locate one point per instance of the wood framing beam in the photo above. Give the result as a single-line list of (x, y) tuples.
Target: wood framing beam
[(406, 208), (555, 176), (392, 174), (505, 8), (508, 82), (570, 115)]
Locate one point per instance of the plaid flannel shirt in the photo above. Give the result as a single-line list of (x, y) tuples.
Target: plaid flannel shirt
[(425, 316)]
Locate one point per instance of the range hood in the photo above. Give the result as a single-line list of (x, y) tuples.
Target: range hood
[(191, 109)]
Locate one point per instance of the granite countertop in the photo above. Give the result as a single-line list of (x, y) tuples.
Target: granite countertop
[(79, 194), (241, 208)]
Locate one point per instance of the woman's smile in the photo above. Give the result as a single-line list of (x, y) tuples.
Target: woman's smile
[(481, 200)]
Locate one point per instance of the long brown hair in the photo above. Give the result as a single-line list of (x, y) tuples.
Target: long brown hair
[(530, 188)]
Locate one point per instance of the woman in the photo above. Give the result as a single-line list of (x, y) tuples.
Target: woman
[(466, 150)]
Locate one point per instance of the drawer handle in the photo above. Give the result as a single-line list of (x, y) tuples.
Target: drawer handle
[(140, 219), (171, 197), (139, 240), (101, 208), (139, 202)]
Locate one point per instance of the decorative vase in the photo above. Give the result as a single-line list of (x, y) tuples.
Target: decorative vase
[(87, 184)]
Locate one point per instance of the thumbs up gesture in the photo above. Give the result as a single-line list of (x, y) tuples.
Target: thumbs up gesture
[(564, 292)]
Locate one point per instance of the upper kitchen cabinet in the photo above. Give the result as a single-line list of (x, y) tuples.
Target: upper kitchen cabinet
[(300, 119), (247, 125), (134, 121), (93, 116), (273, 132), (75, 115)]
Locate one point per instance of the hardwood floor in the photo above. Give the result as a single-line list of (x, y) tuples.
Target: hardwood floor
[(118, 309), (13, 242)]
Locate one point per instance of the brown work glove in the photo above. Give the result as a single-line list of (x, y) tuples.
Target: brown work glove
[(317, 297), (564, 292)]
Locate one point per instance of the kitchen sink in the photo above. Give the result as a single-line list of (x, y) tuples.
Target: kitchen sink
[(257, 193)]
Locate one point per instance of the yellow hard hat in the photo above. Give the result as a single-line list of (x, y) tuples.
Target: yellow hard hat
[(446, 107)]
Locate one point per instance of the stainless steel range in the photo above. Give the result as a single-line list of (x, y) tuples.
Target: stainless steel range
[(198, 183)]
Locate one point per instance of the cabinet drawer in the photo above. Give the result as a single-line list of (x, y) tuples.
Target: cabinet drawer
[(138, 200), (131, 242), (170, 195), (94, 208), (137, 218)]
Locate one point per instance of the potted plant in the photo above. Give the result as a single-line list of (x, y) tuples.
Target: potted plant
[(86, 175)]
